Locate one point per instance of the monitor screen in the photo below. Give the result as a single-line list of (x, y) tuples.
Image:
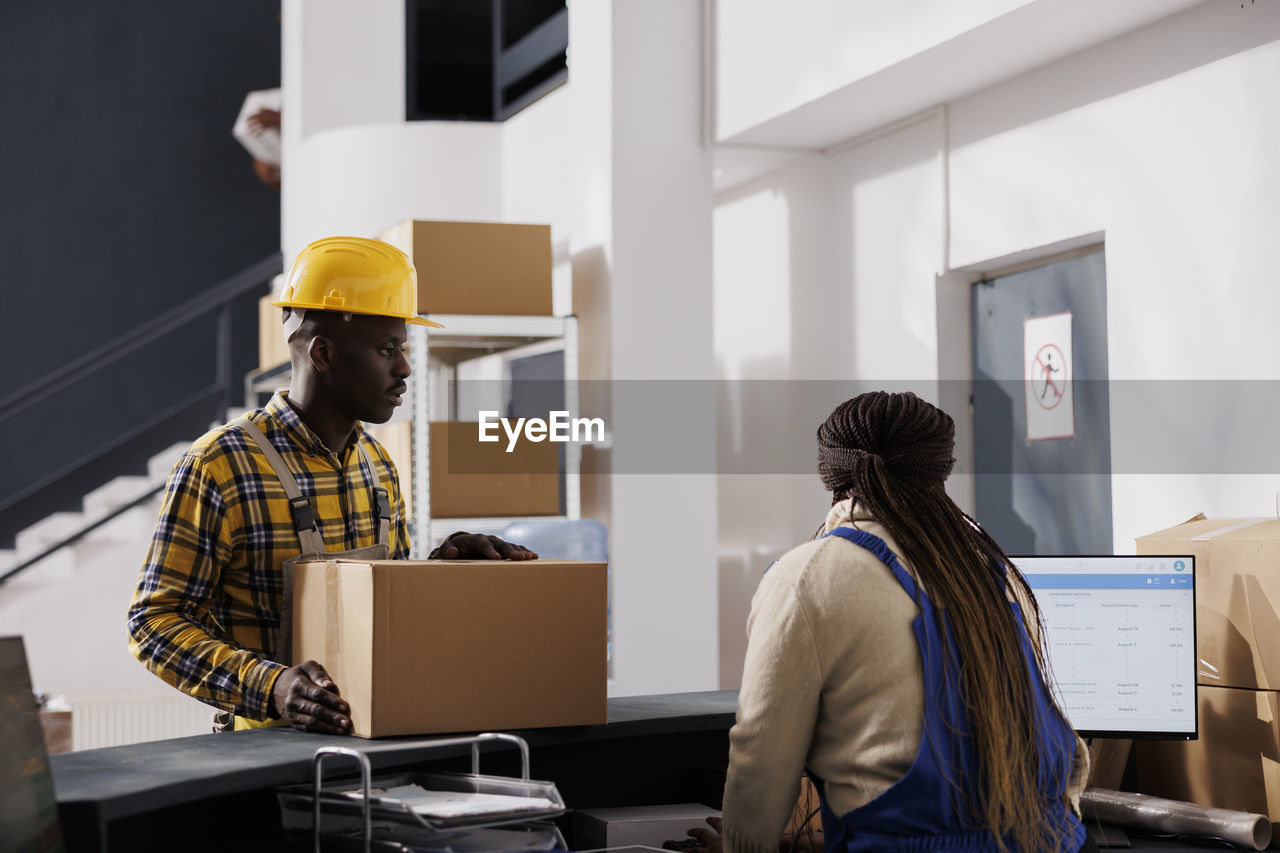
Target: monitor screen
[(1121, 637)]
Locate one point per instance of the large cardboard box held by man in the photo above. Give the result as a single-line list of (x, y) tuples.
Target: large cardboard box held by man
[(425, 647), (1237, 596), (478, 267), (1235, 763)]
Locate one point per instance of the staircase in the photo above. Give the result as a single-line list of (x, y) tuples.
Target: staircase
[(62, 486), (73, 538), (69, 606)]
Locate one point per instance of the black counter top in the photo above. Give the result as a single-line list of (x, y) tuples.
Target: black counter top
[(102, 785)]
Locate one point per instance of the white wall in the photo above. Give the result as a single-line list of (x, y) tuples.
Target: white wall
[(342, 65), (537, 174), (1164, 141), (1161, 140), (361, 179), (811, 74), (824, 287), (772, 57), (647, 288)]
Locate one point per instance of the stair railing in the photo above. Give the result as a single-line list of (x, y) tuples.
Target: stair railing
[(217, 298)]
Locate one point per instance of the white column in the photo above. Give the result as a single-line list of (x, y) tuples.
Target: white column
[(642, 283), (352, 164)]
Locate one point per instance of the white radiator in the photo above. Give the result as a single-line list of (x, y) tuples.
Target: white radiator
[(118, 718)]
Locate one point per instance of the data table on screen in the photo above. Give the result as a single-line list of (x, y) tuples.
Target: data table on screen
[(1120, 634)]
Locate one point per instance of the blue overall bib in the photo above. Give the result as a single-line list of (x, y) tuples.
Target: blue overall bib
[(921, 811)]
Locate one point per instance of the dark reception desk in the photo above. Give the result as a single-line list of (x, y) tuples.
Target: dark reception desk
[(218, 792)]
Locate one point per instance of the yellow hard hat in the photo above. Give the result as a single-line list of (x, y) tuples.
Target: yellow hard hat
[(353, 275)]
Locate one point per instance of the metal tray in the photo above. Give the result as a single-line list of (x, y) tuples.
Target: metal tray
[(350, 810), (517, 838)]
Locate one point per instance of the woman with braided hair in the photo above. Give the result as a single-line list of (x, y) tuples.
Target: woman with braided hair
[(897, 658)]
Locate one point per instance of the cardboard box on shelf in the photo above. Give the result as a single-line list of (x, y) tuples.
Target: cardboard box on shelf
[(1235, 763), (272, 349), (422, 647), (470, 479), (478, 267), (397, 439), (1237, 596)]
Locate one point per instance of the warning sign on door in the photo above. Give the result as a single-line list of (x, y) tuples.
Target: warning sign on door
[(1047, 353)]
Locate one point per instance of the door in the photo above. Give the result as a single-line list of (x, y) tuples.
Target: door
[(1041, 412)]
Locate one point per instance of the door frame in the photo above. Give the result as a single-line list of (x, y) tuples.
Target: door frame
[(955, 341)]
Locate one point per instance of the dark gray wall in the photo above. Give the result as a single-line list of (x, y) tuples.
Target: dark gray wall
[(122, 193)]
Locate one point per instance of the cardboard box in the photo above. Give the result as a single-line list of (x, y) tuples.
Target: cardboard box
[(647, 826), (272, 349), (472, 479), (1237, 596), (485, 480), (478, 267), (57, 731), (397, 440), (1235, 764), (426, 647)]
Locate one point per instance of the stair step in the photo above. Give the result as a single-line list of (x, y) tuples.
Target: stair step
[(46, 531), (114, 493), (98, 503), (159, 466)]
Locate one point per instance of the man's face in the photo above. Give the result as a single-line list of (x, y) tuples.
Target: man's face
[(369, 367)]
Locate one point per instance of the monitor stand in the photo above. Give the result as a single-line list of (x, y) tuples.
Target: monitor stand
[(1106, 835)]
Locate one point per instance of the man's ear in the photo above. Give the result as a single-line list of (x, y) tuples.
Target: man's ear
[(320, 353)]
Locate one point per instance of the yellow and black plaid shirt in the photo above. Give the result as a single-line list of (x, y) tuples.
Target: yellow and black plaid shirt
[(205, 615)]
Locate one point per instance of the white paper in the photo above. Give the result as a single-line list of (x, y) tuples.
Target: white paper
[(460, 803), (263, 146), (1047, 386)]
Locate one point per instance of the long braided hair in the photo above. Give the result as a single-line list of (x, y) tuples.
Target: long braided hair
[(892, 453)]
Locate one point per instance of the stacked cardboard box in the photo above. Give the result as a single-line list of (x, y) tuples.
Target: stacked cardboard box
[(272, 349), (478, 267), (1235, 763), (470, 478)]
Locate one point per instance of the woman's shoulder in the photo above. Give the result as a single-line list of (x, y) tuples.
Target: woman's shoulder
[(826, 558)]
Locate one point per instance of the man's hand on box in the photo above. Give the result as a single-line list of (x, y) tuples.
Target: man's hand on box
[(306, 698), (478, 546)]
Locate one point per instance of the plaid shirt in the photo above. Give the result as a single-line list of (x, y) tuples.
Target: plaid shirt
[(205, 616)]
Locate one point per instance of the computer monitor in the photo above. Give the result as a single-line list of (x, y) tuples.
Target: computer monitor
[(1121, 639), (28, 810)]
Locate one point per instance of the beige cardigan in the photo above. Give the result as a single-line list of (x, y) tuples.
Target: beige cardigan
[(832, 681)]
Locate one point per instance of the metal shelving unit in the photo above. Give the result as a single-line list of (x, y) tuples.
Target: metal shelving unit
[(437, 351)]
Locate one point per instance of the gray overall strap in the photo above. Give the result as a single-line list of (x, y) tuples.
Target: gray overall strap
[(303, 513), (304, 517)]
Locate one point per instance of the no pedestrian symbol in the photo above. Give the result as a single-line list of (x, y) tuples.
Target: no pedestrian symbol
[(1049, 376), (1047, 380)]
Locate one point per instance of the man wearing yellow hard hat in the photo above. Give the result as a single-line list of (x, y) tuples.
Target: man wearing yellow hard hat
[(296, 479)]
